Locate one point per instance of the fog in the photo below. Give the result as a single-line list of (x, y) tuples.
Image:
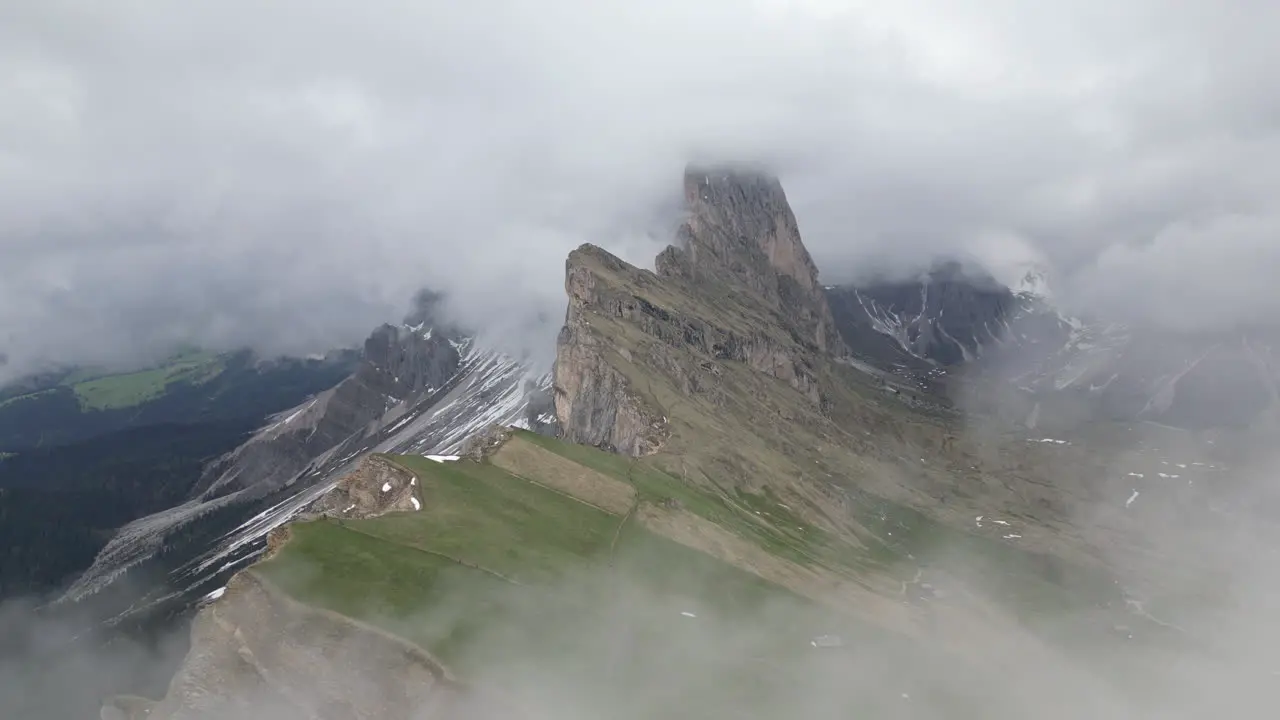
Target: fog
[(1188, 631), (643, 639), (287, 176)]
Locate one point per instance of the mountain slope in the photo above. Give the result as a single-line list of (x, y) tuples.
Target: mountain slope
[(418, 389), (71, 475), (59, 506), (718, 383), (608, 601), (953, 320), (191, 387), (711, 424)]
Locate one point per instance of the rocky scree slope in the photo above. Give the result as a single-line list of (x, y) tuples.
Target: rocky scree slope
[(423, 387)]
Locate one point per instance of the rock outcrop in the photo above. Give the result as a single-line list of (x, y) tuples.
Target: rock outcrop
[(378, 486), (740, 232), (595, 403), (740, 288)]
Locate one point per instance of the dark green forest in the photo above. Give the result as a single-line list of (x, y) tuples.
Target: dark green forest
[(47, 411), (59, 506), (70, 477)]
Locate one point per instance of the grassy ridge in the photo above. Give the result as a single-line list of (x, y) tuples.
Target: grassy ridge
[(480, 514), (499, 572), (1038, 589), (496, 572)]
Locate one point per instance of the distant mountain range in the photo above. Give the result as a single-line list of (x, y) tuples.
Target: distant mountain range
[(955, 320)]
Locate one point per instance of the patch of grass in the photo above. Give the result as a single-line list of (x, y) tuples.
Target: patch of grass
[(618, 627), (537, 464), (394, 586), (130, 389), (654, 485), (481, 514), (654, 627), (1034, 586), (712, 587), (896, 539)]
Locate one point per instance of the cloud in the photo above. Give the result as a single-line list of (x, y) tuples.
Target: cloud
[(289, 175)]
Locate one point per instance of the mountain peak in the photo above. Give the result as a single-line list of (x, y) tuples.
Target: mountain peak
[(739, 210), (740, 232), (1033, 280)]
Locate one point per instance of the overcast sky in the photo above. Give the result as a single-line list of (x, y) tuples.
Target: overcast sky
[(288, 173)]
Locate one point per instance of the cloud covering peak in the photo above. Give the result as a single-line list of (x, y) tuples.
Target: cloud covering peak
[(289, 174)]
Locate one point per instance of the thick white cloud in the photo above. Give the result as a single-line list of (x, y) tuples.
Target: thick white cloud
[(289, 173)]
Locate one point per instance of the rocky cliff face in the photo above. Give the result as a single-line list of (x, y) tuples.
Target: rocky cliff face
[(740, 232), (740, 287)]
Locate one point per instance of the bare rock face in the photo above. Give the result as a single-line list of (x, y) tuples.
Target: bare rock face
[(258, 654), (741, 231), (594, 402), (740, 288), (486, 442)]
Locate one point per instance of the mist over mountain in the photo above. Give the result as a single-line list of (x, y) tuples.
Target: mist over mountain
[(697, 358), (289, 182)]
